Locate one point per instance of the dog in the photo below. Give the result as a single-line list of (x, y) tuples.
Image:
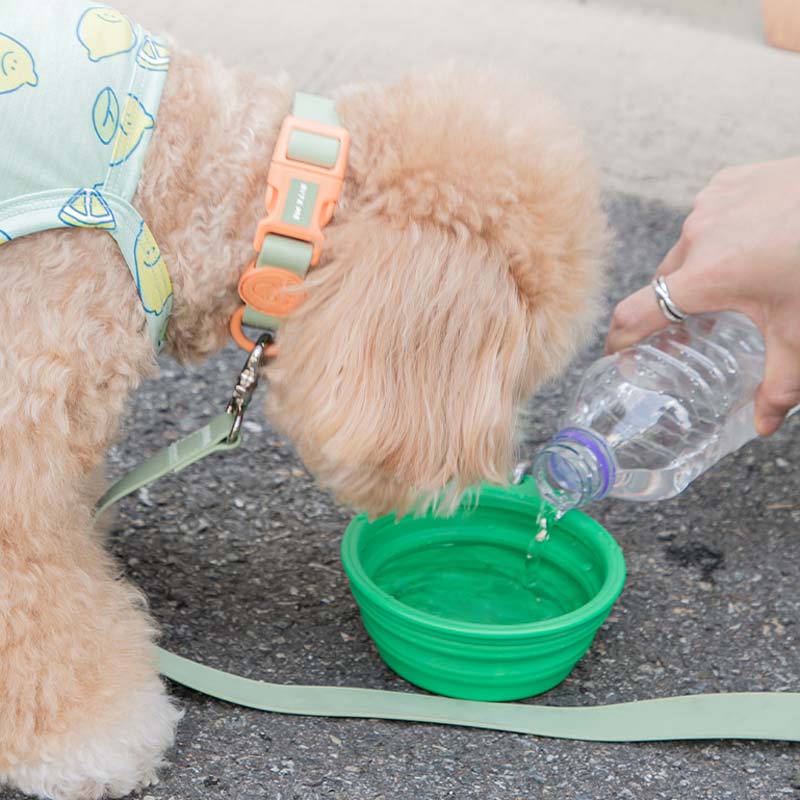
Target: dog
[(463, 268)]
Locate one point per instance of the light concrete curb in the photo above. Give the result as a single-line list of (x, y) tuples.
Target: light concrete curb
[(665, 103)]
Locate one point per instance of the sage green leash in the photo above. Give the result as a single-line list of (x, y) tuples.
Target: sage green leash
[(740, 715)]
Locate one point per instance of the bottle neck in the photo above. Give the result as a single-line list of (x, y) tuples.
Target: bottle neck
[(576, 468)]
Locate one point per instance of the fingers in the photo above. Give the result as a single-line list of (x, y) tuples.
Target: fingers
[(639, 315), (779, 392), (638, 312), (630, 314), (672, 260)]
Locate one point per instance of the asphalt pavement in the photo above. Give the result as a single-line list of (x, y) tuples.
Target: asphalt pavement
[(239, 558)]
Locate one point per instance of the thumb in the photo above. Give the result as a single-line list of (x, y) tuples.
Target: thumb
[(779, 392)]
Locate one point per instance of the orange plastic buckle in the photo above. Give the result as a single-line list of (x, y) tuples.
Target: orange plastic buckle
[(283, 170), (263, 288)]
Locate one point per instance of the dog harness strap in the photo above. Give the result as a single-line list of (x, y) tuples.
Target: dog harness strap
[(303, 185), (745, 715)]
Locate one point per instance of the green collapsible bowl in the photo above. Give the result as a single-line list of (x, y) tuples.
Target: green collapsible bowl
[(455, 605)]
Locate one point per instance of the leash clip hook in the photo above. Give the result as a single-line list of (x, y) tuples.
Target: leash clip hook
[(246, 384)]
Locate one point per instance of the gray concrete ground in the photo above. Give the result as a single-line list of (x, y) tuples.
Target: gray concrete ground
[(668, 91), (239, 557), (738, 17)]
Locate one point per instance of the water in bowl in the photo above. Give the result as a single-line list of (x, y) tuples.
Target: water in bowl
[(473, 582)]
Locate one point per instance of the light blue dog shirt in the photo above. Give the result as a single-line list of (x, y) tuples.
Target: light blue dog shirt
[(80, 85)]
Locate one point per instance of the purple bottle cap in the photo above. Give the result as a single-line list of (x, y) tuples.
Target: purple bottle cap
[(598, 448)]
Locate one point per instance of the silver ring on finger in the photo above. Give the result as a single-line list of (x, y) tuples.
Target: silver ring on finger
[(666, 303)]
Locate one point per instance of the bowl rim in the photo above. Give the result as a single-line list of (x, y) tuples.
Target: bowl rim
[(522, 498)]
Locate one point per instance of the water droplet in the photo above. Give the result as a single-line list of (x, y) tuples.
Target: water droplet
[(533, 555)]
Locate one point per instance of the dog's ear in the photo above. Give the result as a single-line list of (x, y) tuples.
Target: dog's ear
[(404, 369), (461, 272)]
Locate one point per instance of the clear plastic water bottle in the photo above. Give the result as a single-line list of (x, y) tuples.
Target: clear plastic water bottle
[(648, 420)]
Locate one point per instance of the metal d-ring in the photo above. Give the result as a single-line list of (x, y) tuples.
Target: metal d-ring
[(247, 383)]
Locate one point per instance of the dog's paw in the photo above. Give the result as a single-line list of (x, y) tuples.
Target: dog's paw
[(107, 761)]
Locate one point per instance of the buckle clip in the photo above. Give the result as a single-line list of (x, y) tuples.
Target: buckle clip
[(301, 197), (303, 186)]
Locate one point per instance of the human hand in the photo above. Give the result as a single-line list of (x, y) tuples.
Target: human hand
[(739, 251)]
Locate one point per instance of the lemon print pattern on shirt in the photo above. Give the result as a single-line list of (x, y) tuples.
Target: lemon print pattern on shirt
[(80, 89), (17, 68), (87, 209), (153, 55), (105, 32), (152, 276), (105, 115), (133, 123)]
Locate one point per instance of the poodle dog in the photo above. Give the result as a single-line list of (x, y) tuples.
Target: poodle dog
[(463, 267)]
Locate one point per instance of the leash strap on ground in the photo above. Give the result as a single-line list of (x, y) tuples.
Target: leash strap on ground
[(743, 715)]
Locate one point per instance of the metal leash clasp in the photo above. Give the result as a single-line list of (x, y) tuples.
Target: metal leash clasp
[(246, 383)]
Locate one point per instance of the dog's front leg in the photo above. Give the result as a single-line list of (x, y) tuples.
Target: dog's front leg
[(82, 710)]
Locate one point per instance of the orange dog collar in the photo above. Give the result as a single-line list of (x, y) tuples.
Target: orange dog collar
[(303, 186)]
